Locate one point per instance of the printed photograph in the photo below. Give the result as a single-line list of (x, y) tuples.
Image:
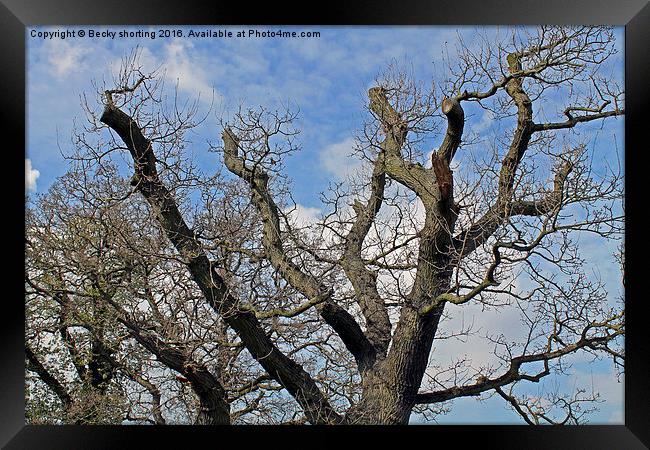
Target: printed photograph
[(324, 225)]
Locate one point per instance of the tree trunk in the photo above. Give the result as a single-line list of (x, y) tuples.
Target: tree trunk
[(391, 387), (389, 390), (213, 407)]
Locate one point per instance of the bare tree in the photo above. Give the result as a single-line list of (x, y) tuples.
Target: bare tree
[(175, 295)]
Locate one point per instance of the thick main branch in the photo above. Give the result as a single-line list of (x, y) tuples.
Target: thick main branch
[(46, 376), (340, 320), (363, 280), (282, 368)]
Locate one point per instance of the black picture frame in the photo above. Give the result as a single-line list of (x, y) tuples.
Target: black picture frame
[(16, 15)]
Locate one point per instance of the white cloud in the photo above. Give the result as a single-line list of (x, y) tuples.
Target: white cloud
[(303, 215), (308, 221), (476, 348), (336, 159), (179, 67), (65, 57), (31, 175), (487, 119)]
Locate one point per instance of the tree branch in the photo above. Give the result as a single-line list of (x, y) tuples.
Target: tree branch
[(415, 177), (50, 380), (153, 390), (340, 320), (467, 241), (283, 369), (455, 122), (513, 374), (476, 235), (364, 281), (574, 120)]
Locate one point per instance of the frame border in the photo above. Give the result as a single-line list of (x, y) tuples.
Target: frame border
[(16, 15)]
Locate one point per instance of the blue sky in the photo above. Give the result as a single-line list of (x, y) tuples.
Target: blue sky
[(326, 78)]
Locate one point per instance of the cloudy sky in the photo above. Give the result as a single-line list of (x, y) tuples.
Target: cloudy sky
[(326, 78)]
